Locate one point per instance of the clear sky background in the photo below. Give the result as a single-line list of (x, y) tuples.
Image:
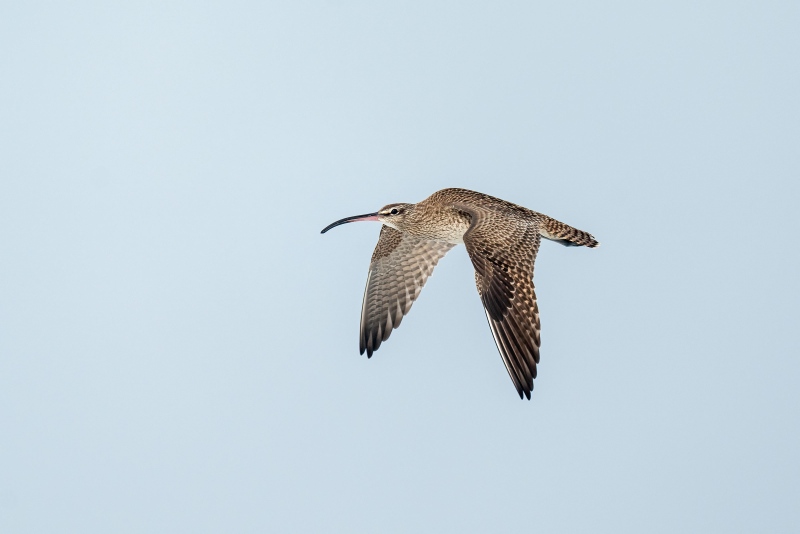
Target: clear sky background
[(179, 344)]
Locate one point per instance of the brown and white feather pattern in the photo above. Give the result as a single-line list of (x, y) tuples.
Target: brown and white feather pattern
[(400, 266), (503, 250), (566, 234), (502, 240)]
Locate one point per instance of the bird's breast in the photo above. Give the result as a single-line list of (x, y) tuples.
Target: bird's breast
[(445, 225)]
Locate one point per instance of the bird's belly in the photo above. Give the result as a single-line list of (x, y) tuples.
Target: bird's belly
[(455, 240)]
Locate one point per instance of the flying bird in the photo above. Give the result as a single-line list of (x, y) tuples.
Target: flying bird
[(502, 240)]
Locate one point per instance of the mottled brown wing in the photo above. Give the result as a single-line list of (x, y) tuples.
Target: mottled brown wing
[(502, 250), (400, 266)]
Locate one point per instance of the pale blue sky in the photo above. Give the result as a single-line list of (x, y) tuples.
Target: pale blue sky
[(179, 344)]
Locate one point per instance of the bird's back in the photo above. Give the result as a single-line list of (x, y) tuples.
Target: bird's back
[(500, 209)]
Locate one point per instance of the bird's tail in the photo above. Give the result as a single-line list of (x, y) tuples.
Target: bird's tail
[(566, 234)]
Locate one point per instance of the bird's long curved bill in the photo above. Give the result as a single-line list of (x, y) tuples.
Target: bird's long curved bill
[(354, 218)]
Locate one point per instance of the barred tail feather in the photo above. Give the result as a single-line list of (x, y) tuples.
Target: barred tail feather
[(566, 234)]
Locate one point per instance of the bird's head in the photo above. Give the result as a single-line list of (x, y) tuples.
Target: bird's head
[(393, 215)]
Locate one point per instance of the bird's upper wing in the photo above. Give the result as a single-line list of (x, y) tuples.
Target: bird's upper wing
[(400, 266), (502, 250)]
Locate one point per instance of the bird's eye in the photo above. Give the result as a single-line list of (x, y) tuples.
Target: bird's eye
[(394, 211)]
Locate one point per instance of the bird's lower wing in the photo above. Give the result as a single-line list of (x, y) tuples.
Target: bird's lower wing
[(503, 250), (400, 266)]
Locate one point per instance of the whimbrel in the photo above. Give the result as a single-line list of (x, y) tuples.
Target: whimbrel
[(501, 239)]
